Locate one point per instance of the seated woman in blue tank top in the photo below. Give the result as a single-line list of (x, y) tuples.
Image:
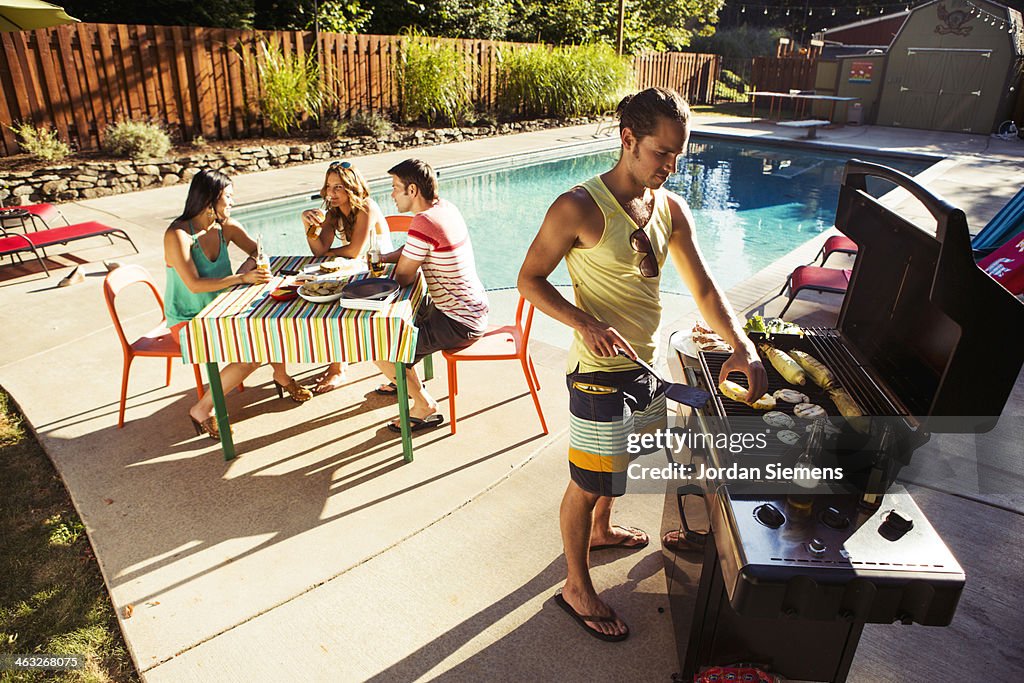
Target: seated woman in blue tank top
[(198, 269)]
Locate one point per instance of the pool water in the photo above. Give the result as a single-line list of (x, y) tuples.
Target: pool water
[(752, 205)]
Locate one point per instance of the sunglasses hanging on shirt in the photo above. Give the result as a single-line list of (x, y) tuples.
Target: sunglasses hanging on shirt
[(642, 244)]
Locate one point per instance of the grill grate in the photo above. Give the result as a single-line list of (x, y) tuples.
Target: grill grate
[(851, 374), (745, 418)]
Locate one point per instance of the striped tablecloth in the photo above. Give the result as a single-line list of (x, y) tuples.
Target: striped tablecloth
[(244, 324)]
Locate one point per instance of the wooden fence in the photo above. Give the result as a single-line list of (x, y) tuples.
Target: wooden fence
[(692, 75), (782, 74), (205, 81)]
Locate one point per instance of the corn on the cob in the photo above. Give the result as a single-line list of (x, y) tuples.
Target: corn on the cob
[(787, 367), (814, 368), (734, 391), (849, 409)]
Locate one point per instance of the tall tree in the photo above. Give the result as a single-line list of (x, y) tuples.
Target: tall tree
[(483, 19), (650, 24), (220, 13)]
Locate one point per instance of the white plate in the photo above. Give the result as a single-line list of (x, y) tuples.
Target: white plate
[(348, 267), (325, 299), (682, 342)]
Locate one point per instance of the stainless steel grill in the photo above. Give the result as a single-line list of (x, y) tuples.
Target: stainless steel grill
[(788, 581)]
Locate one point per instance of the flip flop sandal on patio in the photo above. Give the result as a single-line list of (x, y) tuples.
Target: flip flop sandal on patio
[(416, 424), (582, 620), (629, 542), (389, 389)]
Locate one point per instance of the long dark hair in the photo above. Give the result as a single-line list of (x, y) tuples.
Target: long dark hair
[(203, 193)]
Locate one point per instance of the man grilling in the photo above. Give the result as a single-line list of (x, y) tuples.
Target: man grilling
[(614, 232)]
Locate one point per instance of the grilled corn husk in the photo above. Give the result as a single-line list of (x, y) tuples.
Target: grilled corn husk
[(787, 367), (849, 409), (814, 368), (734, 391)]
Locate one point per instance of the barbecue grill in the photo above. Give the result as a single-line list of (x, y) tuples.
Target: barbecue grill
[(926, 342)]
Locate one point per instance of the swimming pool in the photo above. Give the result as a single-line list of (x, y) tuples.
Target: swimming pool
[(752, 205)]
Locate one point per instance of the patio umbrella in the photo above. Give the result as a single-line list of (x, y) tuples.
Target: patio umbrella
[(23, 15)]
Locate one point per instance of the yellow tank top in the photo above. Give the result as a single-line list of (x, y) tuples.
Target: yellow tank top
[(608, 285)]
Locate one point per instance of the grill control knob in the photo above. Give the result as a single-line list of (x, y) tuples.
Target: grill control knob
[(898, 522), (769, 515), (835, 519), (817, 546)]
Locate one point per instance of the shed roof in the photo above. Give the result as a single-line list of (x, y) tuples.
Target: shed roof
[(875, 32)]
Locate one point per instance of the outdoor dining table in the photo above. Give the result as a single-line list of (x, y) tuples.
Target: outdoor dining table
[(798, 98), (244, 325)]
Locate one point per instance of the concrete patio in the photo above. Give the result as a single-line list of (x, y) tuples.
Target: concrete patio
[(319, 555)]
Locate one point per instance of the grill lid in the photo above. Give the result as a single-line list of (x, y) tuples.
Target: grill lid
[(922, 317)]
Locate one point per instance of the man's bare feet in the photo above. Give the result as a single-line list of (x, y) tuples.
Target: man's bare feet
[(329, 381), (626, 537), (609, 626)]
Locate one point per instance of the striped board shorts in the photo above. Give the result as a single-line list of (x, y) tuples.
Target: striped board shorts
[(604, 409)]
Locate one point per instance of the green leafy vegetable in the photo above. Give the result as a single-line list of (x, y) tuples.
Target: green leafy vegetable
[(770, 326)]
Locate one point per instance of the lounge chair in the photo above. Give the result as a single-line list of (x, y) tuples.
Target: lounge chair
[(990, 245), (836, 243), (1006, 265), (997, 231), (13, 244), (834, 280), (45, 214)]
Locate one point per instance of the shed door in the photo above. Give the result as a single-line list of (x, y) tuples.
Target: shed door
[(941, 89), (961, 91), (919, 89)]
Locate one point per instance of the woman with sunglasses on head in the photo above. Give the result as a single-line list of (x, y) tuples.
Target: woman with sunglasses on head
[(350, 215), (198, 269)]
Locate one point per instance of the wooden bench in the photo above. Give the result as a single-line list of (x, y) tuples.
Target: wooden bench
[(812, 126)]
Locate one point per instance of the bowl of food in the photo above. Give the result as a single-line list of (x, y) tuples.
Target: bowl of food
[(321, 291)]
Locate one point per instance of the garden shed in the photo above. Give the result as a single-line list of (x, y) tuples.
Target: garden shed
[(955, 65)]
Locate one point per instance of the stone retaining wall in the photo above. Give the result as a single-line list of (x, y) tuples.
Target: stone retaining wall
[(70, 181)]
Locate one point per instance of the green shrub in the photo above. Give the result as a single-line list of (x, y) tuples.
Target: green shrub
[(136, 140), (361, 123), (290, 87), (563, 81), (41, 143), (729, 87), (435, 80)]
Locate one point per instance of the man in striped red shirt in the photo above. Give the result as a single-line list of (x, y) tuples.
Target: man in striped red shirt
[(438, 245)]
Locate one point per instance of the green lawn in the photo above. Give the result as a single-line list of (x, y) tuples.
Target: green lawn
[(52, 597)]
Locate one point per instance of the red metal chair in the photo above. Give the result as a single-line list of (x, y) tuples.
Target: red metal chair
[(820, 279), (398, 223), (157, 343), (507, 342), (836, 243)]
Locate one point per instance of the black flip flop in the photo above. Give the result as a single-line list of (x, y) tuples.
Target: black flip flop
[(625, 544), (416, 424), (583, 619), (391, 390)]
